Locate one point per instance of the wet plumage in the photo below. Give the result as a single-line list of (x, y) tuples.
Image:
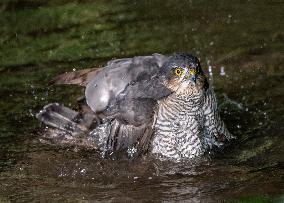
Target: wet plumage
[(160, 105)]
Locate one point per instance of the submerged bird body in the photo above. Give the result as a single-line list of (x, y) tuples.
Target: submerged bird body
[(158, 104)]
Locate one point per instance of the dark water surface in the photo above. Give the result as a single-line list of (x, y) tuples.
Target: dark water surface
[(243, 43)]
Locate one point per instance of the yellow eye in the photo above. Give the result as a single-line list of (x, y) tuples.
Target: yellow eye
[(192, 71), (178, 71)]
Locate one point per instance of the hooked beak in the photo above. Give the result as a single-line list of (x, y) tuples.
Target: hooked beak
[(191, 75), (193, 78)]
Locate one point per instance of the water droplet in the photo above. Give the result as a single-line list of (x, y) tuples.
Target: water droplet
[(83, 171), (31, 112), (131, 151), (222, 71), (210, 70)]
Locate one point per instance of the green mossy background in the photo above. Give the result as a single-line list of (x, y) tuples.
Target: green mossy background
[(34, 32)]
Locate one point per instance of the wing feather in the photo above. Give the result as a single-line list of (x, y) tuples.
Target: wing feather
[(216, 131), (109, 83), (80, 77), (128, 91), (132, 87)]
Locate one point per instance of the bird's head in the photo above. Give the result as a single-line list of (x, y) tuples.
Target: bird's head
[(183, 72)]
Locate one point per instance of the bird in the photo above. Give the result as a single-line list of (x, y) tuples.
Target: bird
[(157, 105)]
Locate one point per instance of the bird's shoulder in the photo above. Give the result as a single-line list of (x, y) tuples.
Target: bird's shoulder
[(159, 59)]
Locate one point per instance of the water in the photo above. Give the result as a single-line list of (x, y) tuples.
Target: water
[(242, 42)]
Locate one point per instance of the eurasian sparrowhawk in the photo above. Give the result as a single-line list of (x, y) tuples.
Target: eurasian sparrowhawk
[(158, 104)]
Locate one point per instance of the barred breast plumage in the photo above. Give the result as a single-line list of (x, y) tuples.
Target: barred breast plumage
[(186, 126), (179, 125), (177, 132)]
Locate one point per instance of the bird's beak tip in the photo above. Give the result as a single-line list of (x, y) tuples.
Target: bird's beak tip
[(193, 79)]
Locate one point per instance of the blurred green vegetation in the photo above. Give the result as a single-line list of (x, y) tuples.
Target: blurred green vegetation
[(261, 199), (56, 32), (33, 32)]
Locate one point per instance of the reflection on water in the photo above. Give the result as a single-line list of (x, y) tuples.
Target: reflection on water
[(240, 45)]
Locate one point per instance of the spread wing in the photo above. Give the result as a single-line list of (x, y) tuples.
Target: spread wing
[(126, 92), (119, 74), (83, 77)]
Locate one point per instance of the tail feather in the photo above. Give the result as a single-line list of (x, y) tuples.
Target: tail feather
[(61, 117), (69, 127), (80, 77), (82, 129)]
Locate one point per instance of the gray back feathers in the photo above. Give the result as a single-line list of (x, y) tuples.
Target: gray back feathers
[(117, 75)]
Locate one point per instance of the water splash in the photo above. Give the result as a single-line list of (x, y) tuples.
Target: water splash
[(222, 71)]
